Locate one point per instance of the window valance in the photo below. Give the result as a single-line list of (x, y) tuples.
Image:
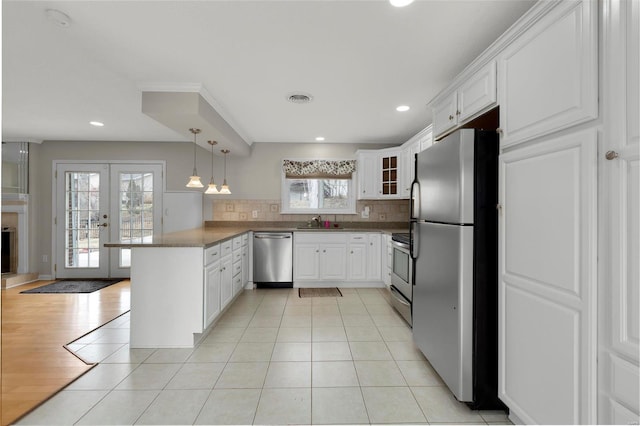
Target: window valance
[(319, 169)]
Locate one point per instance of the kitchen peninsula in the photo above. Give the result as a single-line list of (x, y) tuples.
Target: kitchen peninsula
[(182, 281)]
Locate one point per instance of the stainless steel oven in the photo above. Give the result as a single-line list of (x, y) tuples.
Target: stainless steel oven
[(401, 275)]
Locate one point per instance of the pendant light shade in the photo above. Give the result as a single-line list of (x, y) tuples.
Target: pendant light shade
[(212, 188), (225, 188), (194, 179)]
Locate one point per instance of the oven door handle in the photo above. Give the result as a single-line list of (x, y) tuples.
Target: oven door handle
[(400, 245), (398, 296)]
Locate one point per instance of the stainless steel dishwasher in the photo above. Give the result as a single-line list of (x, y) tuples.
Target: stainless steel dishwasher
[(273, 259)]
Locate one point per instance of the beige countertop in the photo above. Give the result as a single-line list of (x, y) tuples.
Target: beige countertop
[(209, 235)]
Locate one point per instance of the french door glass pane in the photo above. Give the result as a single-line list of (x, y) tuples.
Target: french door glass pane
[(136, 211), (82, 217)]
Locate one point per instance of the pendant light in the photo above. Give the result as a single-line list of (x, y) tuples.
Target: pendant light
[(225, 188), (212, 188), (194, 180)]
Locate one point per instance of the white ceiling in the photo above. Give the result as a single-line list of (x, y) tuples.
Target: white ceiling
[(359, 60)]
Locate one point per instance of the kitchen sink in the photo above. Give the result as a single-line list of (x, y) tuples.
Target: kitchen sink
[(318, 228)]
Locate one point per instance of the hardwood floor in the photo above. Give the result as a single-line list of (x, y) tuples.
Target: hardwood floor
[(35, 365)]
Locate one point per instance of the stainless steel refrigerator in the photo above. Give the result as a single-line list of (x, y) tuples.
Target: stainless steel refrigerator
[(454, 246)]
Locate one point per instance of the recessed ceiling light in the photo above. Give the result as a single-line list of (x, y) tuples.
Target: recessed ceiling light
[(403, 108), (400, 3), (320, 138), (299, 97), (96, 123)]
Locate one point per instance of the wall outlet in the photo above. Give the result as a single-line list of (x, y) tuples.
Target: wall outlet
[(382, 216), (45, 258), (254, 214), (228, 207)]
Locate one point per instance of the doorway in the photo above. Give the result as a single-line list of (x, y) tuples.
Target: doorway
[(101, 202)]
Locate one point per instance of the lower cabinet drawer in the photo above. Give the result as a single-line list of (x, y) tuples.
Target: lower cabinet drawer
[(237, 267), (211, 254), (237, 255)]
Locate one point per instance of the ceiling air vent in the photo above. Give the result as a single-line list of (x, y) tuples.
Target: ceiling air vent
[(299, 98)]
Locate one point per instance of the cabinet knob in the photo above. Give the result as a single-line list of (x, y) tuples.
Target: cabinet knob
[(351, 251), (317, 251), (499, 131), (611, 155), (450, 117), (458, 112)]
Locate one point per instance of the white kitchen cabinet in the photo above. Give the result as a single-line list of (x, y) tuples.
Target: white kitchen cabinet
[(619, 216), (379, 173), (226, 280), (547, 287), (387, 259), (306, 255), (368, 174), (426, 138), (374, 267), (419, 142), (333, 260), (212, 280), (337, 258), (445, 117), (549, 74), (364, 257), (357, 257), (319, 257), (237, 265), (245, 266), (408, 166), (473, 96), (548, 223)]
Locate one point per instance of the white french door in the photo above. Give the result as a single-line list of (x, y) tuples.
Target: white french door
[(97, 203)]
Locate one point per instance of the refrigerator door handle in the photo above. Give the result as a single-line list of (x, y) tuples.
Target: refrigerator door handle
[(414, 248), (415, 200)]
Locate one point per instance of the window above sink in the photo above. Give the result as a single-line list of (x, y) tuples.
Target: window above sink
[(318, 186)]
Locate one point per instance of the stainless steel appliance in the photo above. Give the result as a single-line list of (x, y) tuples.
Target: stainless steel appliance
[(454, 244), (273, 259), (401, 275)]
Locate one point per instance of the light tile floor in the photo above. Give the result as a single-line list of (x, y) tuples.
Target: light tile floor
[(273, 358)]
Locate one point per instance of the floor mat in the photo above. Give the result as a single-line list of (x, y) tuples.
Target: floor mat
[(319, 292), (73, 286)]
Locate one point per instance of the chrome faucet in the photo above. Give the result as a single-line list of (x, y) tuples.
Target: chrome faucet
[(317, 220)]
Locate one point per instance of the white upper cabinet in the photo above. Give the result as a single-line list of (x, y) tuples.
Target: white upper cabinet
[(548, 77), (471, 97), (379, 174), (408, 167), (444, 114), (388, 173), (477, 93), (421, 141)]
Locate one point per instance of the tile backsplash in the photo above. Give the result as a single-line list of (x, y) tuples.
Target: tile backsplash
[(269, 210)]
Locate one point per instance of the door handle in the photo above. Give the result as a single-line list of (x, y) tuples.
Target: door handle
[(103, 224), (611, 155)]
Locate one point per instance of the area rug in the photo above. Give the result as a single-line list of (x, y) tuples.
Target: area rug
[(73, 286), (319, 292)]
